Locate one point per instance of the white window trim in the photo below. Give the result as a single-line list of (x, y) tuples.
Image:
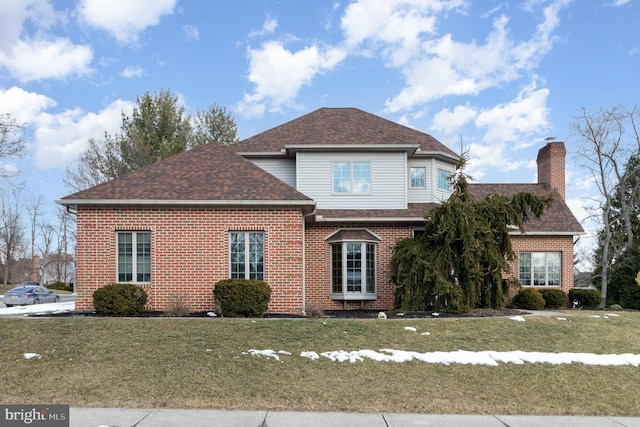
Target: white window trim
[(351, 192), (424, 175), (247, 253), (355, 296), (546, 269), (134, 261)]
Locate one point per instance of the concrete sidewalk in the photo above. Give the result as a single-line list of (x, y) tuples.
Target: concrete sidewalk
[(100, 417)]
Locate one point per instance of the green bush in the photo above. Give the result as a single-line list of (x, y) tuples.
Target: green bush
[(59, 286), (241, 297), (553, 298), (119, 299), (585, 298), (529, 299)]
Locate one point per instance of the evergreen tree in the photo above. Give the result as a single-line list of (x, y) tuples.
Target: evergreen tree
[(460, 260), (157, 128)]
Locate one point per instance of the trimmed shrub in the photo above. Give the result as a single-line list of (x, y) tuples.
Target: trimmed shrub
[(59, 286), (553, 298), (119, 299), (585, 298), (241, 297), (529, 299)]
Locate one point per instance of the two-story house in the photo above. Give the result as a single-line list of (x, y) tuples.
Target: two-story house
[(313, 207)]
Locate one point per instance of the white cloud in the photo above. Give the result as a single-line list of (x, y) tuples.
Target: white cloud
[(40, 56), (619, 3), (191, 32), (448, 122), (44, 59), (278, 75), (124, 19), (22, 105), (59, 138), (132, 72), (269, 26), (517, 121)]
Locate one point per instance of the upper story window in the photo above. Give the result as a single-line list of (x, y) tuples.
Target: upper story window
[(540, 268), (417, 177), (444, 180), (351, 177), (246, 255), (134, 257)]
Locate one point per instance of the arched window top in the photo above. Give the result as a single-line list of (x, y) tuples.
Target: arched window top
[(353, 235)]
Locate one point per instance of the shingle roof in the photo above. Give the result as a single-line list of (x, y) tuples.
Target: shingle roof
[(558, 218), (211, 172), (344, 126)]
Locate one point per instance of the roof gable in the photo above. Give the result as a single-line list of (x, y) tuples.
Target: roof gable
[(340, 126), (211, 172)]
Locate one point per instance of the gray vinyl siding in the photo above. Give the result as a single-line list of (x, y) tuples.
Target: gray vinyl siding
[(420, 195), (388, 183), (283, 169)]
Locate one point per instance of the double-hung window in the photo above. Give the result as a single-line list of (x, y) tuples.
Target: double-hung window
[(134, 257), (246, 255), (417, 177), (351, 177), (540, 268), (353, 270), (444, 180)]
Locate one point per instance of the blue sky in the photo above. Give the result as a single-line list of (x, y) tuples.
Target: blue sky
[(497, 77)]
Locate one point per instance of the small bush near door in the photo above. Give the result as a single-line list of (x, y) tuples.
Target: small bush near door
[(529, 299), (241, 297), (119, 299)]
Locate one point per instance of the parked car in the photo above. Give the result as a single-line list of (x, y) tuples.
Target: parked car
[(29, 293)]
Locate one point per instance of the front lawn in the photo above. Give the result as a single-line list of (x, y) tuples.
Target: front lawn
[(206, 363)]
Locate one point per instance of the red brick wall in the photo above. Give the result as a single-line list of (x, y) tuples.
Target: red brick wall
[(563, 244), (190, 252), (551, 165), (318, 267)]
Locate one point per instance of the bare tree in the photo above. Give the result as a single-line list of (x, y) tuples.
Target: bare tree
[(11, 231), (609, 140), (12, 140), (65, 235)]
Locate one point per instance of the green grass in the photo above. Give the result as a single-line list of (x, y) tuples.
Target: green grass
[(202, 363)]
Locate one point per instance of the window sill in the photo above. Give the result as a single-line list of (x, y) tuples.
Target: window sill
[(354, 297)]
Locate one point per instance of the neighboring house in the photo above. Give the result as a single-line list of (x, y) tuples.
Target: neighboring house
[(313, 207)]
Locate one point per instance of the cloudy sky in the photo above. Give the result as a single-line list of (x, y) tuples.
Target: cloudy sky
[(497, 77)]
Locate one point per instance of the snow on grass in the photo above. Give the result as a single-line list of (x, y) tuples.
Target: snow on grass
[(517, 318), (56, 307), (462, 357), (410, 328), (32, 356)]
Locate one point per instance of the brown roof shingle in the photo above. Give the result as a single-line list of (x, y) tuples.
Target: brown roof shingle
[(210, 172), (344, 126)]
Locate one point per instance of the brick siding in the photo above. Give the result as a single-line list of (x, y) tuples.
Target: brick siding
[(190, 253)]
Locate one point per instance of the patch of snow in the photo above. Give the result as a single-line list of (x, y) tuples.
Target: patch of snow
[(561, 318), (267, 353), (211, 314), (435, 314), (426, 333), (32, 355), (595, 316), (462, 357), (310, 355), (517, 318), (613, 315), (284, 352), (409, 328), (56, 307)]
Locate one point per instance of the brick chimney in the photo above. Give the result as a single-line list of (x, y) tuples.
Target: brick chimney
[(551, 166)]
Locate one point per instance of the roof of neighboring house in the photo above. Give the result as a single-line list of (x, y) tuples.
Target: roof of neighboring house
[(340, 126), (208, 174), (558, 218)]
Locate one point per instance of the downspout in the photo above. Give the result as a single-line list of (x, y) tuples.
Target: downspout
[(304, 260)]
